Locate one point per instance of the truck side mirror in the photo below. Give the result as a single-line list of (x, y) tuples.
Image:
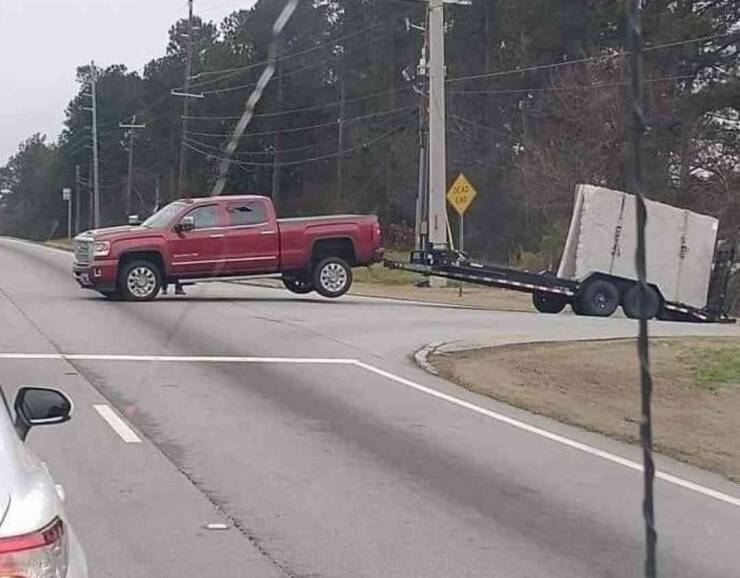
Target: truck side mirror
[(40, 406), (186, 224), (134, 220)]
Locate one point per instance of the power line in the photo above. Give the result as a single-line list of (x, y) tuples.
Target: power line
[(309, 127), (288, 74), (295, 163), (585, 60), (566, 88), (307, 108), (263, 152), (250, 105), (279, 151), (266, 133), (289, 56), (166, 95)]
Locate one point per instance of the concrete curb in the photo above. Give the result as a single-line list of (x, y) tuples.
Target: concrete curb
[(422, 355)]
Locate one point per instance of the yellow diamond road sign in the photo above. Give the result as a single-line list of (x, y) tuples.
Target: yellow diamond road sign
[(461, 194)]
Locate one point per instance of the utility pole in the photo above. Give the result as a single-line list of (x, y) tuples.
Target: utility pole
[(129, 181), (186, 103), (421, 221), (90, 199), (276, 174), (95, 160), (78, 199), (340, 139), (437, 125), (156, 195), (437, 162)]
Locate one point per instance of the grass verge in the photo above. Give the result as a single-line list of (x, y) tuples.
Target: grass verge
[(595, 385), (65, 244)]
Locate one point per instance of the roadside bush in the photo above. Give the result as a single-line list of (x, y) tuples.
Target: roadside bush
[(547, 252), (399, 236)]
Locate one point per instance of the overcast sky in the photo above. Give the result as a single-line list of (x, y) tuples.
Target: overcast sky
[(43, 41)]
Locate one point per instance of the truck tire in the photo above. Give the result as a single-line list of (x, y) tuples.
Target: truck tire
[(548, 302), (139, 280), (597, 298), (297, 284), (332, 277), (633, 308)]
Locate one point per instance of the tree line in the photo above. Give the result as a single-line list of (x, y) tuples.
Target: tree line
[(536, 104)]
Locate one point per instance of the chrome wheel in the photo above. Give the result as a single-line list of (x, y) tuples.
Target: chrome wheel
[(141, 282), (333, 277)]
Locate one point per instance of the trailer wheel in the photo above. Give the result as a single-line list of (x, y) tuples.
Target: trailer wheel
[(634, 308), (298, 285), (597, 298), (548, 302), (576, 307), (332, 277)]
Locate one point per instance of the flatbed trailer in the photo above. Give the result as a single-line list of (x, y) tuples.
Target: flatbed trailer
[(598, 295)]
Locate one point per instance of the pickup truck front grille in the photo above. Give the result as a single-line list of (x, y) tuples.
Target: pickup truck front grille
[(83, 251)]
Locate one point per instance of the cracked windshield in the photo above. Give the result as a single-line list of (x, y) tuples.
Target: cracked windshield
[(369, 288)]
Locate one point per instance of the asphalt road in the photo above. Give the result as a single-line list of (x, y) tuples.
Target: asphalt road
[(361, 467)]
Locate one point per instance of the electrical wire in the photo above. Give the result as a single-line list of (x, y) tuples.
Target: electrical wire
[(265, 133), (364, 145), (322, 125), (287, 74), (329, 42), (566, 88), (281, 151), (307, 108), (585, 60)]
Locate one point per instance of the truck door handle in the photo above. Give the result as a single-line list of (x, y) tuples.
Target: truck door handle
[(267, 232), (218, 236)]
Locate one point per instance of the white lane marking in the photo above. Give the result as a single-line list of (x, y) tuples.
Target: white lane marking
[(117, 424), (557, 438), (549, 435), (177, 358)]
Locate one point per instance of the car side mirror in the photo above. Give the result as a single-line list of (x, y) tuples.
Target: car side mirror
[(134, 220), (40, 406), (185, 224)]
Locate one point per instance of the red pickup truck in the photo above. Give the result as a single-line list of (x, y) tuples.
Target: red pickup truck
[(221, 237)]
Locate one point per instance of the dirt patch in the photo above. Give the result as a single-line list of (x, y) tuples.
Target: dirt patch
[(472, 296), (595, 385), (379, 281)]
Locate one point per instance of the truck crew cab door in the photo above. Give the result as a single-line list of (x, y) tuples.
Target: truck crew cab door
[(200, 252), (252, 240)]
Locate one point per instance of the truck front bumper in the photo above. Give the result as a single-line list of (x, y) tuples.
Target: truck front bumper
[(99, 275)]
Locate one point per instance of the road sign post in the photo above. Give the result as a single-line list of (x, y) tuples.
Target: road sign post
[(461, 195), (67, 196)]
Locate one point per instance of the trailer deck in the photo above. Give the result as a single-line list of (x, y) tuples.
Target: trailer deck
[(546, 288)]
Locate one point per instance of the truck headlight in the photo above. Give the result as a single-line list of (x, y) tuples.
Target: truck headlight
[(101, 248)]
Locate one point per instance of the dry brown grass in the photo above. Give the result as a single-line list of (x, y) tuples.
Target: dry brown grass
[(595, 385)]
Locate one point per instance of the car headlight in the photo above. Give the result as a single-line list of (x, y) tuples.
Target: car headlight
[(101, 248)]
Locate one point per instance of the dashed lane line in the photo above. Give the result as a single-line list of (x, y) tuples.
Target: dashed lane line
[(117, 424)]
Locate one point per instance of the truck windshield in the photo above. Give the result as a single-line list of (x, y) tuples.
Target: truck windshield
[(162, 218)]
